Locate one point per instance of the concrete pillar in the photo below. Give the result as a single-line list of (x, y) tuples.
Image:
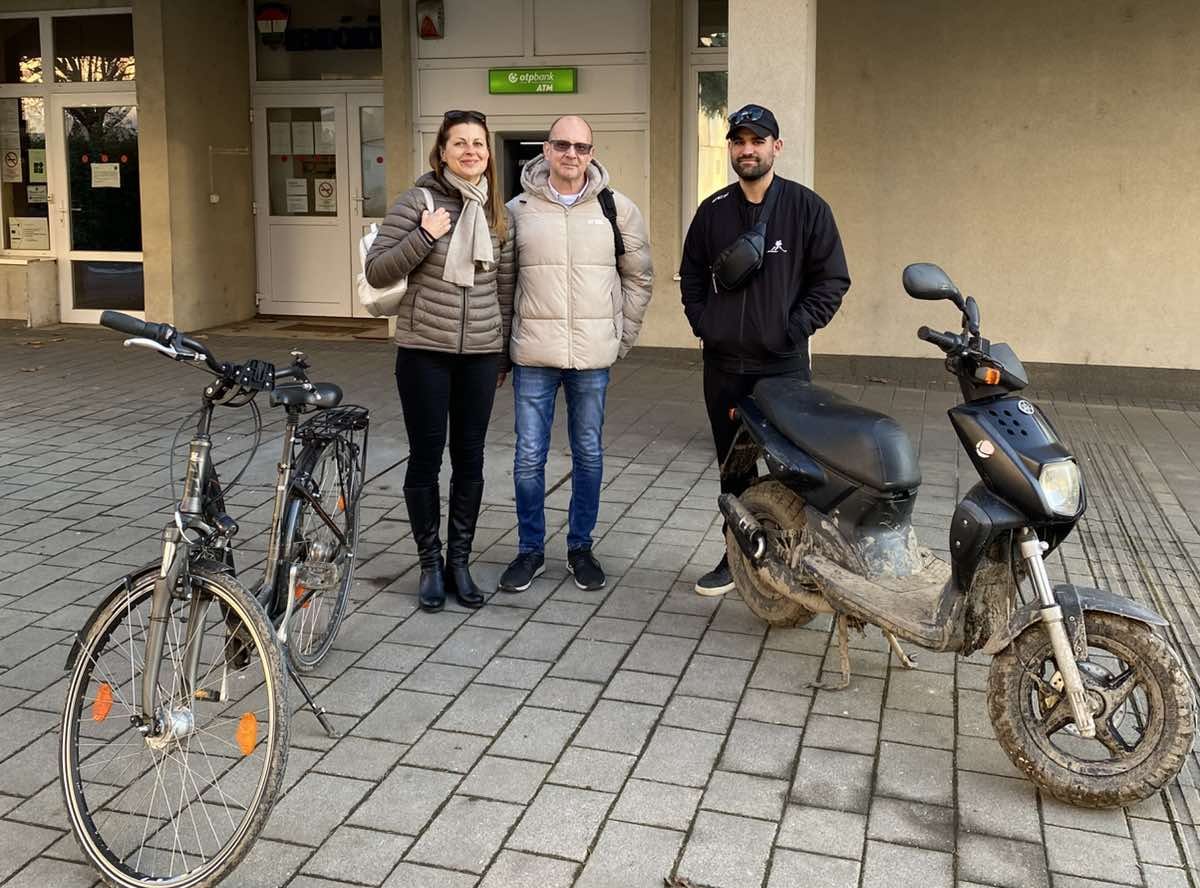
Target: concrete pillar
[(773, 61), (198, 256), (398, 85), (666, 173)]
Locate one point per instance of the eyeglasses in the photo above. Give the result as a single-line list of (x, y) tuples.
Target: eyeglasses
[(562, 146), (751, 114), (452, 116)]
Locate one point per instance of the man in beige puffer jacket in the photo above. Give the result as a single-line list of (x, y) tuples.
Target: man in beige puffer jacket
[(578, 308)]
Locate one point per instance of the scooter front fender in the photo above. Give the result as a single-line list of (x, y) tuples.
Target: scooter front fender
[(1075, 601)]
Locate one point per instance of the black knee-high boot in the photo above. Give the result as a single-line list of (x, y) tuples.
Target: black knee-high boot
[(465, 498), (424, 514)]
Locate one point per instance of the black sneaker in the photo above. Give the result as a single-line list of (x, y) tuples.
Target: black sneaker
[(717, 581), (589, 575), (519, 575)]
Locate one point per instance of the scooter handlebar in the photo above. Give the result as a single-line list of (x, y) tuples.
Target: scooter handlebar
[(947, 342)]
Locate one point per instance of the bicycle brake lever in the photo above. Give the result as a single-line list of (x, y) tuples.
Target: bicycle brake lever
[(169, 350)]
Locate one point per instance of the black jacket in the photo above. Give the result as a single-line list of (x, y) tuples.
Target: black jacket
[(765, 327)]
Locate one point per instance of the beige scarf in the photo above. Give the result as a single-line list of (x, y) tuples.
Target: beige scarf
[(471, 241)]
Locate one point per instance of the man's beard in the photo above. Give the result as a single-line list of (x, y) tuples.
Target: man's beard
[(754, 172)]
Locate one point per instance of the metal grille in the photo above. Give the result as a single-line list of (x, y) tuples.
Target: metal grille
[(1135, 537)]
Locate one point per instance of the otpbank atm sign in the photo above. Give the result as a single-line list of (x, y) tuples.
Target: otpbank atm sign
[(506, 81)]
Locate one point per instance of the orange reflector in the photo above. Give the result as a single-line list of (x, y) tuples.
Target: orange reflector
[(103, 705), (989, 375), (300, 590), (341, 506), (247, 733)]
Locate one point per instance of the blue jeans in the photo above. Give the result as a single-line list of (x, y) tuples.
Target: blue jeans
[(534, 391)]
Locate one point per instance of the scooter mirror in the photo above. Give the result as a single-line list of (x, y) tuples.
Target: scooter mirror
[(924, 280)]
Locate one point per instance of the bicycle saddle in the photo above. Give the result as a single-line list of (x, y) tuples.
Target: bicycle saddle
[(321, 395)]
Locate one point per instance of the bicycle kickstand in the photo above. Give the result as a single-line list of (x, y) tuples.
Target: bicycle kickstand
[(318, 711)]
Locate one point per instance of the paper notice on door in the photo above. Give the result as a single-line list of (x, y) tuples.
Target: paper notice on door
[(325, 191), (10, 115), (11, 169), (297, 188), (326, 136), (37, 164), (106, 175), (302, 137), (28, 233), (279, 134), (36, 194), (297, 203)]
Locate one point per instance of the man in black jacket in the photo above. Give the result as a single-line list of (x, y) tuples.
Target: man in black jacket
[(763, 328)]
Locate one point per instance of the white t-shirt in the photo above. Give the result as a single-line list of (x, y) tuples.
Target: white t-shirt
[(565, 199)]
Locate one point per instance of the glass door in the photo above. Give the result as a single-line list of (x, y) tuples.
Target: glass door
[(368, 174), (96, 208), (302, 205)]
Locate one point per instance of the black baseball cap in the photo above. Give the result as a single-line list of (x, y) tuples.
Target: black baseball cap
[(756, 118)]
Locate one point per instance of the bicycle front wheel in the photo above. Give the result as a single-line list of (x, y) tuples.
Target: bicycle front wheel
[(321, 537), (181, 805)]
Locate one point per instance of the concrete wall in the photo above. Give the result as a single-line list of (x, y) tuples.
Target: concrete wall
[(1043, 153)]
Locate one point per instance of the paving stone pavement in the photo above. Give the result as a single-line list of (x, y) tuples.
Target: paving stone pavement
[(561, 737)]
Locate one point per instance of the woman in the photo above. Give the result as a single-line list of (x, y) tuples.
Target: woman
[(452, 338)]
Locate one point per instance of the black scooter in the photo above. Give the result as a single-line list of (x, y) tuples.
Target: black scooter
[(1085, 695)]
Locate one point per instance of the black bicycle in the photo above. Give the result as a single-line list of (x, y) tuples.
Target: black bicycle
[(174, 731)]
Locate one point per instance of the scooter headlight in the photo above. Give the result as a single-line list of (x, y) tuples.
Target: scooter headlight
[(1062, 486)]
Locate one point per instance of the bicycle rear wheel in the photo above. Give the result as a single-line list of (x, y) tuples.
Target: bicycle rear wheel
[(322, 542), (183, 808)]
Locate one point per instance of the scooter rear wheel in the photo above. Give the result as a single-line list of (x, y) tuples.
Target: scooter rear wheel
[(778, 510), (1145, 716)]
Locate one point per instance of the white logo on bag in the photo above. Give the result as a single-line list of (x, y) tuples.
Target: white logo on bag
[(778, 248)]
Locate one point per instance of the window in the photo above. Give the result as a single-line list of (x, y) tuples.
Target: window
[(93, 48), (23, 195), (713, 23), (20, 51), (712, 158), (302, 161), (319, 40)]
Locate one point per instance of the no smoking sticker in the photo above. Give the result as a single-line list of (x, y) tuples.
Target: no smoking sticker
[(325, 192)]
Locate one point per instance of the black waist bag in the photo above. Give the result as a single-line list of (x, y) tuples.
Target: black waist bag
[(736, 264)]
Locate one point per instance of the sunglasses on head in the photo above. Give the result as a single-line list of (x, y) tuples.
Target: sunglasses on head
[(562, 146), (454, 116), (753, 114)]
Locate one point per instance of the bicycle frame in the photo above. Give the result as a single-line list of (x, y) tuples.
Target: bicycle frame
[(178, 549)]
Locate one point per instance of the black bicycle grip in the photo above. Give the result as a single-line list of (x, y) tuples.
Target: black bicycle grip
[(944, 341), (123, 323)]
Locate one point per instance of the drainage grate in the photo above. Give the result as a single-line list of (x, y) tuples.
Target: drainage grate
[(1133, 539)]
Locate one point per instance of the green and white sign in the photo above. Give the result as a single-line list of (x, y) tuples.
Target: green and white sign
[(506, 81)]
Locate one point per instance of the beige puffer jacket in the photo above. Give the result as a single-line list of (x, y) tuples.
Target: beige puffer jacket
[(435, 314), (577, 305)]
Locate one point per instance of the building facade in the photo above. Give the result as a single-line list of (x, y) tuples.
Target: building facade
[(206, 162)]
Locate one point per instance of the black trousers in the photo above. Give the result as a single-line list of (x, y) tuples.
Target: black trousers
[(722, 391), (435, 387)]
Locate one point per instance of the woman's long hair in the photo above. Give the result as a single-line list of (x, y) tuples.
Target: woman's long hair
[(495, 213)]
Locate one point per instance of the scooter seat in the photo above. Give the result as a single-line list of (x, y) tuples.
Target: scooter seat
[(860, 443)]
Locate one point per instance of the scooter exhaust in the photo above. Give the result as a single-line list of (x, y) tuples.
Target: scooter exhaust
[(746, 530)]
